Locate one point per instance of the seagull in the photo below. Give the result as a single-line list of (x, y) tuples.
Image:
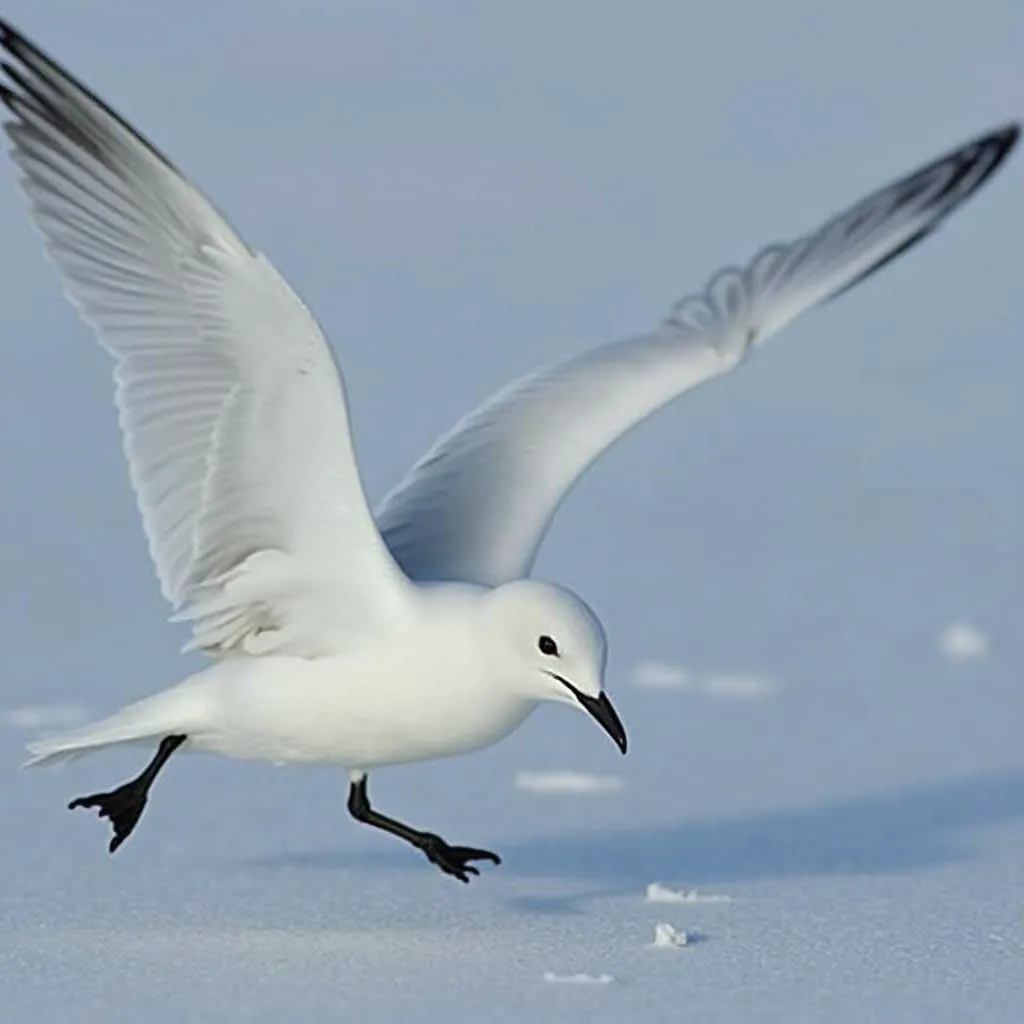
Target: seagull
[(336, 635)]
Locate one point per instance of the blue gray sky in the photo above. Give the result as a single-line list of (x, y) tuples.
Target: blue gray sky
[(464, 191)]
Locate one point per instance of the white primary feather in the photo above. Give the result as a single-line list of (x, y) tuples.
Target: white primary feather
[(232, 409), (477, 505)]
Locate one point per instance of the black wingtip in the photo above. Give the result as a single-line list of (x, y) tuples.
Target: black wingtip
[(1003, 138), (10, 38), (1011, 131), (43, 66), (974, 162), (997, 142)]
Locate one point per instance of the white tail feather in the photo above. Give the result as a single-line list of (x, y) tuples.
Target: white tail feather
[(177, 710)]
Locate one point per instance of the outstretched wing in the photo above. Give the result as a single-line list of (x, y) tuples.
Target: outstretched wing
[(477, 505), (233, 412)]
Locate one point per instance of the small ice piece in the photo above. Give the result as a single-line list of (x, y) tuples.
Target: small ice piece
[(658, 893), (667, 937), (45, 716), (659, 675), (578, 979), (567, 782), (962, 641)]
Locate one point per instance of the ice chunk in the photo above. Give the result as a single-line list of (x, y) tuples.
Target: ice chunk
[(667, 937)]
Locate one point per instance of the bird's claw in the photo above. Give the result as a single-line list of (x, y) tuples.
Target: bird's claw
[(122, 806), (454, 860)]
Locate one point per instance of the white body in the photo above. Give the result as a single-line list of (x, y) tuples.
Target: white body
[(331, 636), (354, 709), (421, 688)]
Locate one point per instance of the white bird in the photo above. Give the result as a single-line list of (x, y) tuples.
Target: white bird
[(335, 637)]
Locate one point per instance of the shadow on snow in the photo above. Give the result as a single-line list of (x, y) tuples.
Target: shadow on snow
[(904, 831)]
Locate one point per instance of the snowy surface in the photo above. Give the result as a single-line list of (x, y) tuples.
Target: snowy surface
[(578, 979), (660, 675), (961, 641), (47, 716), (567, 782), (658, 893), (460, 192)]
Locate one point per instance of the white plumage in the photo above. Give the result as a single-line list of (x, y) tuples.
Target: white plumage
[(232, 409), (336, 639), (477, 505)]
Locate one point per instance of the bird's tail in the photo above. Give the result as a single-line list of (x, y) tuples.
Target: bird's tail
[(179, 710)]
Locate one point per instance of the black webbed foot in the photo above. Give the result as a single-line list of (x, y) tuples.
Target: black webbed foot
[(123, 806), (454, 860)]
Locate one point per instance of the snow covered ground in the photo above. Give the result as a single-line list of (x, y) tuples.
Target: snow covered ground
[(812, 573), (247, 895)]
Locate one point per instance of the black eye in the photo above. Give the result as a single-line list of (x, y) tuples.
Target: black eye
[(547, 646)]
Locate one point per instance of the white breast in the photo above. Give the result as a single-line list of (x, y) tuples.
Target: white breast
[(412, 697)]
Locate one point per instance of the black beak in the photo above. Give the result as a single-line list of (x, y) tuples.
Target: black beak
[(601, 709), (606, 717)]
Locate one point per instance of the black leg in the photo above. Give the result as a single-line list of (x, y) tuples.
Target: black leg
[(124, 805), (452, 860)]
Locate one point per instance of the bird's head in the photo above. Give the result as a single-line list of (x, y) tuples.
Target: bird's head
[(553, 649)]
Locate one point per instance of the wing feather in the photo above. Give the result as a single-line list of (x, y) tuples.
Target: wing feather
[(232, 409), (477, 505)]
